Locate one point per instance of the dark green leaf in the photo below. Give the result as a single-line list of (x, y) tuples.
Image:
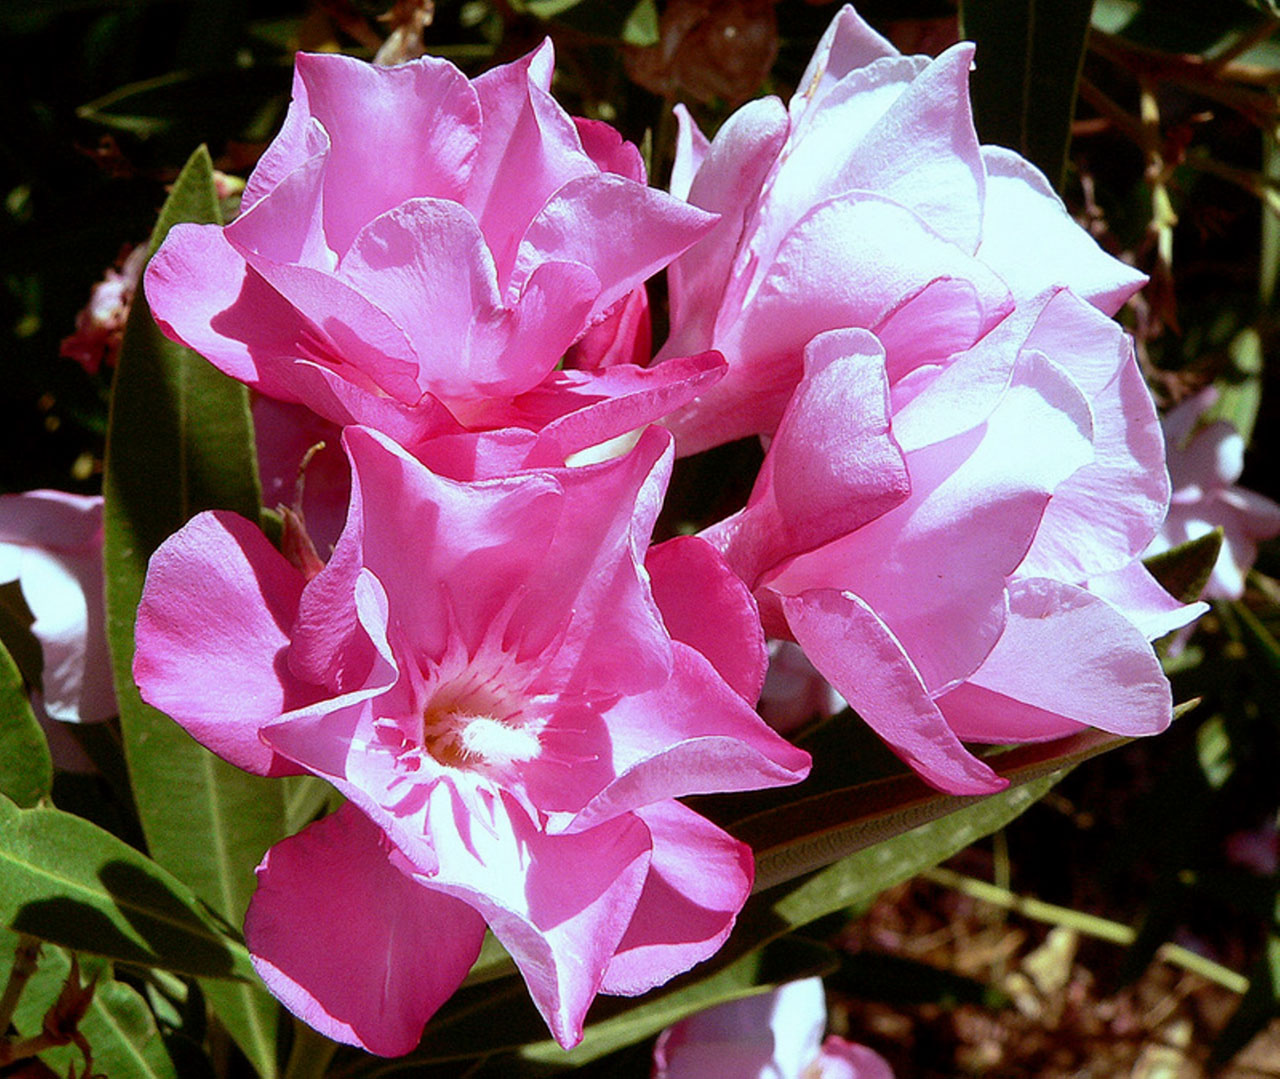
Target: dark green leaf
[(67, 881), (1184, 571), (1026, 71), (813, 832), (641, 28), (26, 770), (180, 441)]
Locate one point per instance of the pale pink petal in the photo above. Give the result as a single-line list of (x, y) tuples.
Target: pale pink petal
[(859, 655), (841, 1059), (289, 226), (560, 905), (1020, 205), (213, 630), (920, 152), (727, 182), (848, 43), (1106, 674), (699, 877), (358, 950), (776, 1034), (1143, 601), (691, 151), (51, 543), (833, 466)]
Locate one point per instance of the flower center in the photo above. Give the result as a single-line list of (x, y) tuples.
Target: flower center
[(471, 727)]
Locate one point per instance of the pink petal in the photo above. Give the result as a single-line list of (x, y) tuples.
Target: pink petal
[(1020, 204), (560, 905), (624, 231), (691, 151), (699, 877), (1143, 601), (624, 335), (529, 149), (358, 950), (609, 150), (289, 226), (213, 630), (708, 607), (51, 543), (858, 654), (841, 1059), (378, 159), (833, 466), (694, 735), (728, 182), (1106, 674), (776, 1034), (848, 43)]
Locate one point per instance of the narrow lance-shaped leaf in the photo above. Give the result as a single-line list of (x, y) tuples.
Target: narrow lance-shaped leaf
[(179, 441), (26, 770), (69, 882), (1026, 72)]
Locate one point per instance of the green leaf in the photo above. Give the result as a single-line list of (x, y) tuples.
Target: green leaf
[(813, 832), (67, 881), (1026, 71), (1239, 386), (179, 441), (1260, 639), (641, 28), (1183, 571), (26, 769)]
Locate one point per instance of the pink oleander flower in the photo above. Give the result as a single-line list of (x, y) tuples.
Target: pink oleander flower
[(776, 1035), (867, 202), (416, 251), (956, 545), (100, 325), (1204, 464), (51, 544), (510, 688)]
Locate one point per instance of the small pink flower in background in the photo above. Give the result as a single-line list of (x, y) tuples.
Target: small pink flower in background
[(868, 203), (775, 1035), (1204, 463), (415, 249), (51, 543), (100, 325), (794, 692), (510, 688)]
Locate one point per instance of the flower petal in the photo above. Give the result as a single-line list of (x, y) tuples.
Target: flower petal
[(357, 949)]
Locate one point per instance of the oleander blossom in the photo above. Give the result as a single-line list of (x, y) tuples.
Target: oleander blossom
[(417, 251), (774, 1035), (934, 535), (867, 202), (1205, 460), (51, 544), (510, 688)]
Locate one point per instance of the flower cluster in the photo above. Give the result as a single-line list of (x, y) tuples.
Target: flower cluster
[(508, 684)]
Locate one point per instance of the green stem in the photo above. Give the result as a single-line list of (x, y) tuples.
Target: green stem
[(1088, 925), (309, 1058)]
